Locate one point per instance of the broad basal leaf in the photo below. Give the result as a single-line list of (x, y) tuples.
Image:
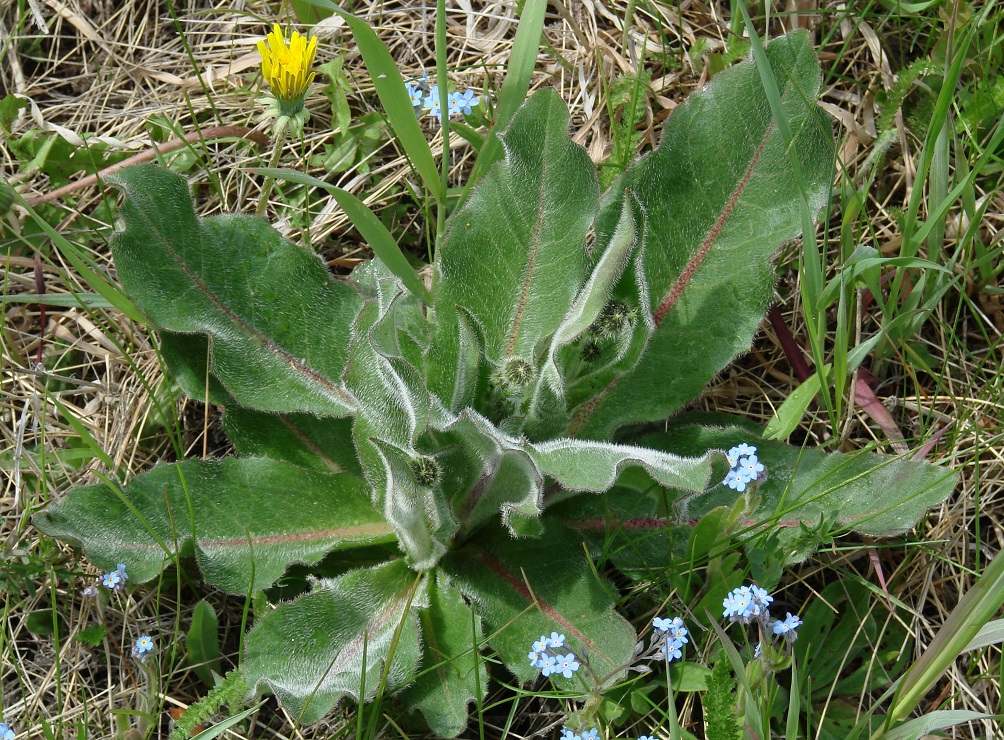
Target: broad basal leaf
[(452, 673), (582, 314), (714, 203), (278, 322), (322, 443), (878, 495), (635, 528), (338, 640), (247, 518), (525, 588), (515, 253)]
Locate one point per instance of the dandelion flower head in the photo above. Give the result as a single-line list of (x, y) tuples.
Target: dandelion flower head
[(286, 66)]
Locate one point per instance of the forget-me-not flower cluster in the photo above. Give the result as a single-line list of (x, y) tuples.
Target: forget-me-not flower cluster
[(671, 636), (744, 467), (786, 627), (748, 603), (552, 656), (114, 581), (6, 733), (425, 97)]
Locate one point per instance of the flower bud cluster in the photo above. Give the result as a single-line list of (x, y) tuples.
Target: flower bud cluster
[(612, 319)]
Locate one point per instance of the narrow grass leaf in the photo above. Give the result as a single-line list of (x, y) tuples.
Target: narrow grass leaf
[(104, 287), (220, 727), (934, 721), (61, 300), (991, 633), (390, 89), (522, 60), (370, 227), (976, 607)]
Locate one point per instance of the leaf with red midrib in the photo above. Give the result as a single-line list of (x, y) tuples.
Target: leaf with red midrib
[(279, 323), (240, 511), (525, 588), (715, 201)]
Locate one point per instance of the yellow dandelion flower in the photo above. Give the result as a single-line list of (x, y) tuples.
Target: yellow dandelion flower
[(286, 66)]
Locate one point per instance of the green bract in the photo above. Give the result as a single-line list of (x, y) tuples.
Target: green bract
[(457, 454)]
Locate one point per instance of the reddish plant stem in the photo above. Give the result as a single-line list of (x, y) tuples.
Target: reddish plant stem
[(212, 133)]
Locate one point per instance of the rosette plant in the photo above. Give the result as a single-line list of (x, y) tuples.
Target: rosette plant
[(444, 453)]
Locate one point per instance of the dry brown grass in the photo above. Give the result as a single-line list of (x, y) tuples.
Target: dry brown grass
[(103, 70)]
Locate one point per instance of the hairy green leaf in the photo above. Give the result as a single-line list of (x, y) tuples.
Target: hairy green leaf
[(515, 253), (259, 298), (527, 588), (452, 672), (877, 495), (240, 515), (338, 641), (714, 202), (581, 465), (203, 643)]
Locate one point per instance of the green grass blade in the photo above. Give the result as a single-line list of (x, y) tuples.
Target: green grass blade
[(84, 434), (939, 120), (390, 89), (976, 607), (60, 300), (102, 286), (221, 727), (794, 705), (370, 227), (517, 83), (812, 270)]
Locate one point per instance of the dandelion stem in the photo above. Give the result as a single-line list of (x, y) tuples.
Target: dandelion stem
[(266, 188)]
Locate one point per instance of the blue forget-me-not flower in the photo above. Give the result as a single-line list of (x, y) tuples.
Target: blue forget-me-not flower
[(425, 97), (463, 102), (669, 637), (567, 665), (747, 603), (787, 627), (567, 734), (6, 733), (143, 647), (112, 580)]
